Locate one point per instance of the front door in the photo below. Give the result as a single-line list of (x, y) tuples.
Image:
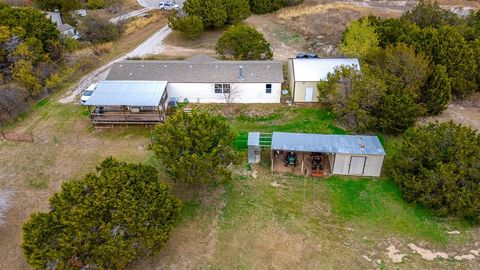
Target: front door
[(309, 94), (356, 165)]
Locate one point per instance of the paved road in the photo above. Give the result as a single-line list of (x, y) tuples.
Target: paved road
[(135, 13), (155, 3), (153, 45)]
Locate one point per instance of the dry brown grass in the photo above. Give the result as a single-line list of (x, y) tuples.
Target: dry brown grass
[(463, 3), (323, 22), (103, 48), (206, 41), (119, 8), (176, 46), (65, 148), (140, 23), (304, 10), (284, 42)]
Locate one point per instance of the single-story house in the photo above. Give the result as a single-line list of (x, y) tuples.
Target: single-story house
[(64, 28), (204, 79), (322, 154), (305, 73), (128, 102)]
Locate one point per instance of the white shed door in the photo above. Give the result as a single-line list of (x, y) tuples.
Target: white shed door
[(356, 165), (309, 94)]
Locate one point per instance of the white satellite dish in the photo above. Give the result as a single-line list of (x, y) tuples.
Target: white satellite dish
[(284, 91)]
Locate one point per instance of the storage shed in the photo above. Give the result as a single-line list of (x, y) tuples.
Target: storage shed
[(305, 73), (320, 154)]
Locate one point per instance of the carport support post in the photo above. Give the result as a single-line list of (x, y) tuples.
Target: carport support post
[(303, 160), (271, 158)]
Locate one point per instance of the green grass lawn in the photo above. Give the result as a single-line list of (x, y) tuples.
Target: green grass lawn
[(366, 213), (330, 211), (300, 223), (378, 206), (286, 119), (372, 205)]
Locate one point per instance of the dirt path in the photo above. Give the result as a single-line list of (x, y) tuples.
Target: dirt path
[(463, 112), (284, 42), (153, 45)]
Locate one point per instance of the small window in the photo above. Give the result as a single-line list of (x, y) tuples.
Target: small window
[(268, 88), (222, 88), (218, 89), (226, 88)]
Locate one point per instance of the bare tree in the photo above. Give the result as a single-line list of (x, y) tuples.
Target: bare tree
[(230, 97)]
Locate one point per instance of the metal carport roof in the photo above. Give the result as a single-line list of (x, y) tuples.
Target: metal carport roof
[(127, 93), (253, 139), (317, 69), (341, 144)]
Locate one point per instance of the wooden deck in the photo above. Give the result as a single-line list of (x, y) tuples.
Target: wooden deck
[(126, 117), (279, 165)]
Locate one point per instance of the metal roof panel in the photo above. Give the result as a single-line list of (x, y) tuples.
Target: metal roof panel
[(253, 139), (127, 93), (326, 143), (317, 69)]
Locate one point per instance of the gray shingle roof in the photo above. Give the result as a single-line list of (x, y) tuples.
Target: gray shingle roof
[(198, 69), (342, 144), (64, 27), (55, 18)]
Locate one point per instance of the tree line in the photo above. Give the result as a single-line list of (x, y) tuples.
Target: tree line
[(414, 66), (34, 55), (411, 66), (213, 14), (27, 58), (66, 6)]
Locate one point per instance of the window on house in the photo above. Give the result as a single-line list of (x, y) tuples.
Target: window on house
[(268, 88), (222, 88)]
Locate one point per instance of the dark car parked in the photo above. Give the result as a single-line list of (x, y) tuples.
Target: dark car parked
[(307, 55)]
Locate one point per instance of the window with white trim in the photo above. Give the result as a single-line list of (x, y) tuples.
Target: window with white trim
[(221, 88), (268, 88)]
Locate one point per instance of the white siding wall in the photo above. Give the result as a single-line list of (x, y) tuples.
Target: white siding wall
[(241, 93), (340, 163), (291, 77), (373, 164)]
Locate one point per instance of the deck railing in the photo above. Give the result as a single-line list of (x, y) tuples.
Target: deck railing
[(127, 117)]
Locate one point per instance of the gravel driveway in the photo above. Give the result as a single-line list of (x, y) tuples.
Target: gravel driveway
[(153, 45)]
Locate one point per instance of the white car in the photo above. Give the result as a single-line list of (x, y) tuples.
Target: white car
[(88, 92), (168, 5)]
